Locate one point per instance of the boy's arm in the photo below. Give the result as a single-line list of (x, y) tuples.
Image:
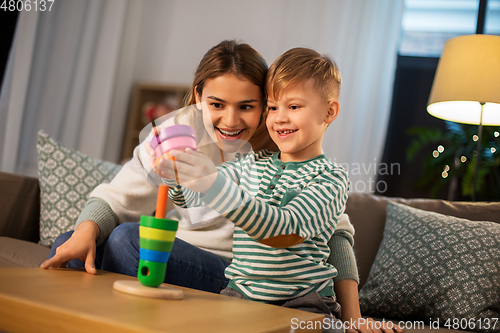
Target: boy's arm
[(183, 197), (187, 198), (319, 205)]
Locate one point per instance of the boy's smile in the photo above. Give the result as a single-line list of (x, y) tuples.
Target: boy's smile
[(297, 120), (283, 133)]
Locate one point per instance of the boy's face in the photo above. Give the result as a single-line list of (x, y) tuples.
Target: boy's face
[(297, 121)]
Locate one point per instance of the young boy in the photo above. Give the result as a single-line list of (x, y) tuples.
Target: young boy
[(286, 205)]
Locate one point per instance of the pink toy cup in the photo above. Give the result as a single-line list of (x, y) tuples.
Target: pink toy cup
[(176, 137)]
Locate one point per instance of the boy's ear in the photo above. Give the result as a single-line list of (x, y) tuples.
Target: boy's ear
[(333, 111)]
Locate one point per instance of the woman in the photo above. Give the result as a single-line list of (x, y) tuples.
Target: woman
[(225, 108)]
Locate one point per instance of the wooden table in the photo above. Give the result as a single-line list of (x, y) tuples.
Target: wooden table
[(67, 300)]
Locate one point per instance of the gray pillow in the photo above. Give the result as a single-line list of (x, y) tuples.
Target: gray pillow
[(66, 178), (431, 266)]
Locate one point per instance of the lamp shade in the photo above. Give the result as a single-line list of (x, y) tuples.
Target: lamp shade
[(467, 76)]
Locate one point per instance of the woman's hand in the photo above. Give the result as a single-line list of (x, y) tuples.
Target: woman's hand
[(81, 245), (347, 295), (191, 169), (369, 325), (150, 150)]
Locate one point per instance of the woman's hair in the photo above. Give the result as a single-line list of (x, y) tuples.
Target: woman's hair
[(227, 57)]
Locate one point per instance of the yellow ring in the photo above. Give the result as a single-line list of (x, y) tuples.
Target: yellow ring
[(157, 234)]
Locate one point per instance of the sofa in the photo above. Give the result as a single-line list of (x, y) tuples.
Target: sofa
[(20, 237)]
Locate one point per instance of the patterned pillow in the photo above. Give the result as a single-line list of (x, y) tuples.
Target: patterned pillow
[(66, 178), (431, 266)]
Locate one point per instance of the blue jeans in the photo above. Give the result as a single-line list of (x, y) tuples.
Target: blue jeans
[(188, 266)]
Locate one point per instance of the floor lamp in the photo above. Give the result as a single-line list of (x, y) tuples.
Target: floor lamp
[(466, 87)]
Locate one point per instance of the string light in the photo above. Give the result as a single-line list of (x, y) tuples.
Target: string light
[(463, 159), (440, 149), (475, 137), (444, 174), (496, 134), (435, 153), (446, 168), (493, 150)]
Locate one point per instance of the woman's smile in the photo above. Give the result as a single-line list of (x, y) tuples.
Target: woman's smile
[(232, 107), (230, 134)]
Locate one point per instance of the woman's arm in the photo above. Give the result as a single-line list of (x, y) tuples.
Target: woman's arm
[(81, 245), (128, 196), (342, 255), (346, 285)]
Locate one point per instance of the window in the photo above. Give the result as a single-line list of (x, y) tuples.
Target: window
[(428, 24), (492, 26), (426, 27)]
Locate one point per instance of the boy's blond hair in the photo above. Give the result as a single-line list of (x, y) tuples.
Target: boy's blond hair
[(300, 64)]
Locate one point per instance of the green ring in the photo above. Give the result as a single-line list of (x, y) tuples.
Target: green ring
[(164, 224), (151, 273), (156, 245)]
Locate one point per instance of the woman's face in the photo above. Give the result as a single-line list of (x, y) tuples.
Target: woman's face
[(231, 110)]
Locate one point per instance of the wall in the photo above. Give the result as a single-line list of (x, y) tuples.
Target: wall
[(165, 40)]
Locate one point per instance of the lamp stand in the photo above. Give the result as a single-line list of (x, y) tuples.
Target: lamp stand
[(478, 149)]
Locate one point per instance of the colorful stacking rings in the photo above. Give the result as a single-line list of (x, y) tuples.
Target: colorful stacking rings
[(156, 240), (152, 255), (178, 137), (157, 235), (172, 132), (177, 143)]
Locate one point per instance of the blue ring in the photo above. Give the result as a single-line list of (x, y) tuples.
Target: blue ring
[(152, 255)]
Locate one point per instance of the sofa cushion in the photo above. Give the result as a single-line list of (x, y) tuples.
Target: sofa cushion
[(66, 178), (434, 266), (368, 212), (19, 207), (20, 253)]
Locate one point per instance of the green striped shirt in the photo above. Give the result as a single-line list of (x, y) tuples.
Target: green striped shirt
[(265, 197)]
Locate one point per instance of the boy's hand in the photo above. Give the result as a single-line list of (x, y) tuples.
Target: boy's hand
[(192, 169)]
